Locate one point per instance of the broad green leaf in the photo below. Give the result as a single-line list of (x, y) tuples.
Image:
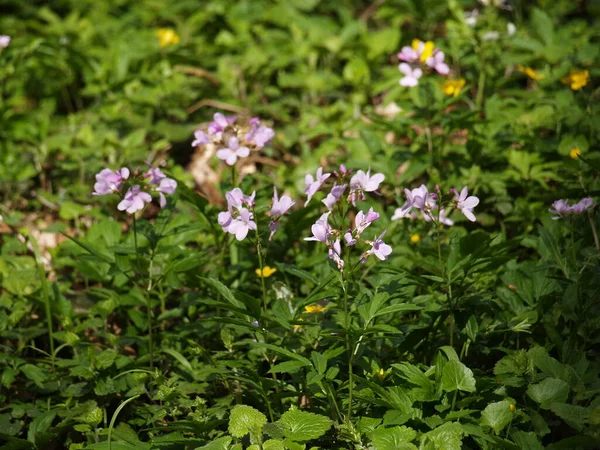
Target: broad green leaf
[(550, 390), (245, 419), (273, 444), (218, 444), (445, 437), (527, 440), (457, 376), (395, 438), (497, 415), (35, 374), (574, 415), (303, 426)]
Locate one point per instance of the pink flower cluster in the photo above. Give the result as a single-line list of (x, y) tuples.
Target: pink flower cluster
[(4, 41), (562, 209), (138, 190), (239, 217), (323, 232), (427, 203), (419, 56), (233, 140)]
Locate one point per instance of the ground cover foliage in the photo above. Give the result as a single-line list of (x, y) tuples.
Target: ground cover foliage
[(317, 278)]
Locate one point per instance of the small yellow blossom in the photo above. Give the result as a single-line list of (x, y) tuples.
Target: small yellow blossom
[(266, 272), (428, 48), (381, 374), (310, 309), (531, 73), (577, 79), (415, 238), (512, 408), (453, 87), (298, 327), (166, 37), (575, 152)]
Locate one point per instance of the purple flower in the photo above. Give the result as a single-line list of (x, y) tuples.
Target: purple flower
[(436, 61), (562, 208), (200, 138), (466, 203), (135, 199), (238, 219), (259, 135), (4, 41), (411, 75), (334, 196), (242, 224), (408, 54), (219, 124), (321, 230), (233, 152), (280, 205), (108, 182), (335, 254), (378, 248), (279, 208), (166, 186), (313, 185), (362, 220), (363, 182), (350, 241), (155, 175), (417, 198)]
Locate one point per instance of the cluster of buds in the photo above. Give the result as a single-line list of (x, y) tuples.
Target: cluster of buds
[(420, 55), (135, 191), (233, 140), (323, 232), (562, 209), (427, 203)]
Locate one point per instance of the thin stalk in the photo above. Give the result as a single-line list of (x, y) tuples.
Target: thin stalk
[(46, 297), (348, 347), (454, 399), (480, 87), (594, 232), (149, 314), (261, 266)]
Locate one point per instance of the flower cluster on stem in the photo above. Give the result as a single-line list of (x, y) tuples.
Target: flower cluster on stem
[(135, 190), (418, 57), (234, 140)]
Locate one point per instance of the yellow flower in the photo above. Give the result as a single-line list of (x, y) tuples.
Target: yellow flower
[(453, 87), (415, 238), (575, 152), (166, 37), (310, 309), (512, 408), (531, 73), (577, 79), (266, 272), (298, 327), (381, 374), (427, 49)]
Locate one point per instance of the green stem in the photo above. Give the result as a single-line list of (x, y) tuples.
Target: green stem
[(148, 300), (45, 296), (480, 87), (260, 264), (348, 347), (114, 419), (454, 399), (594, 232)]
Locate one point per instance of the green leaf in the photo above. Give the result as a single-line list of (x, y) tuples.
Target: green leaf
[(34, 373), (224, 291), (550, 390), (395, 438), (40, 425), (245, 419), (575, 416), (179, 357), (218, 444), (457, 376), (303, 426), (445, 437), (273, 444), (287, 367), (527, 440), (497, 415)]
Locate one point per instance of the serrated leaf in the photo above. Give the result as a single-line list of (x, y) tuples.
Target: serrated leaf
[(395, 438), (457, 376), (218, 444), (550, 390), (245, 419), (574, 415), (273, 444), (445, 437), (303, 426), (34, 373), (497, 415)]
